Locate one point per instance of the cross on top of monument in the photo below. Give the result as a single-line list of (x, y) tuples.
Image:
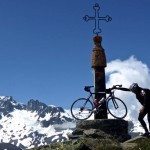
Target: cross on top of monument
[(97, 18)]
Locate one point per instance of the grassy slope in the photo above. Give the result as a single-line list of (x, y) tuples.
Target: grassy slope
[(99, 144)]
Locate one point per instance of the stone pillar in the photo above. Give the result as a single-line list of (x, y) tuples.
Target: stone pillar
[(98, 65)]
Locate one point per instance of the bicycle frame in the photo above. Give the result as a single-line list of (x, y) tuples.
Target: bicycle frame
[(111, 94)]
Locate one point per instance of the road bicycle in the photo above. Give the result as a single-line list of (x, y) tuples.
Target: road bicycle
[(83, 108)]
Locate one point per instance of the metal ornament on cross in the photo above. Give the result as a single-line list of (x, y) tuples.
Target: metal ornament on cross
[(97, 18)]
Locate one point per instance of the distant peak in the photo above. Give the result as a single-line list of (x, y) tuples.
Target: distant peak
[(5, 97)]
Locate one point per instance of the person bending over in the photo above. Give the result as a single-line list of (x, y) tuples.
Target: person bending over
[(143, 96)]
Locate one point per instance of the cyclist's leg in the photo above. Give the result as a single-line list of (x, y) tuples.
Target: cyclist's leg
[(148, 118), (141, 119)]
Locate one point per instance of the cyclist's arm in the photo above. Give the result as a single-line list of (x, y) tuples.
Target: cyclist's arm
[(120, 88), (123, 89)]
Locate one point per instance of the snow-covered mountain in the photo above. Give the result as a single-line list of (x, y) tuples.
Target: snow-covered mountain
[(33, 124), (36, 124)]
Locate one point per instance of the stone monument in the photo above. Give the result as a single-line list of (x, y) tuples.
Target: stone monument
[(102, 131), (98, 61)]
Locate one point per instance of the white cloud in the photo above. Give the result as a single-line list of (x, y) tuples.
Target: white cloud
[(127, 72)]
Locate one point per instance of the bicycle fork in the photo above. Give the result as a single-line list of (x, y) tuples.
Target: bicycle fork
[(115, 103)]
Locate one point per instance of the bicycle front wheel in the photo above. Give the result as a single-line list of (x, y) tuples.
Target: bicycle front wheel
[(117, 108), (82, 109)]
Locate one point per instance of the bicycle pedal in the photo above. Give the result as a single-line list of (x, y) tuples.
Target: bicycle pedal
[(94, 110)]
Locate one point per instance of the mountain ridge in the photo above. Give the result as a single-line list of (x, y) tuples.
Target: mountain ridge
[(32, 124)]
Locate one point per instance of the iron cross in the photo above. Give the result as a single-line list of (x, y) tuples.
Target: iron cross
[(97, 18)]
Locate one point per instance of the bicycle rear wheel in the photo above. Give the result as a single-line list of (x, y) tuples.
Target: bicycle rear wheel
[(117, 108), (82, 109)]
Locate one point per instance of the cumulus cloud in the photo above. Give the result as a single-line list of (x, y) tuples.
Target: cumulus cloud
[(126, 72)]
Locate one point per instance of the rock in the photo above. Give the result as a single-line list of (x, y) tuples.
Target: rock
[(115, 128), (95, 133), (138, 138), (106, 125), (1, 126), (8, 146), (78, 131), (83, 144), (129, 146), (137, 143)]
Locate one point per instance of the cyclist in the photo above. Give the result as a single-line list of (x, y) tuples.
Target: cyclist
[(143, 95)]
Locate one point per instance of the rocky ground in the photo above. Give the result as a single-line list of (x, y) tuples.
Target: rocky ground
[(101, 135), (90, 143)]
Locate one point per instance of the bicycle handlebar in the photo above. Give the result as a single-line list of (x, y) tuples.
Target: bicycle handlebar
[(116, 86), (87, 88)]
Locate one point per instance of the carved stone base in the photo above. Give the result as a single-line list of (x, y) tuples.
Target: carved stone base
[(103, 128)]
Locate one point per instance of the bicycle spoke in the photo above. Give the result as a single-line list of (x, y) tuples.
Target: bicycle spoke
[(117, 108), (81, 109)]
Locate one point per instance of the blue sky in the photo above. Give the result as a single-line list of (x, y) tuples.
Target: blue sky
[(45, 46)]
